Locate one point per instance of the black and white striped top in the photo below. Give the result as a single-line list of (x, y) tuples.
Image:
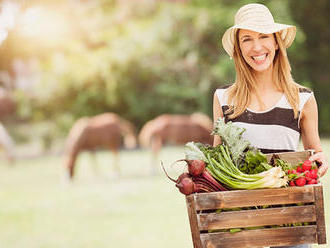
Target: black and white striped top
[(273, 130)]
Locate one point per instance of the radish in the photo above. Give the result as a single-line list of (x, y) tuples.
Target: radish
[(308, 174), (292, 183), (313, 173), (307, 165), (312, 181), (301, 181)]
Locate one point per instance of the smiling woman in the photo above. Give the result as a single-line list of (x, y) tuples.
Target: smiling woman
[(264, 99)]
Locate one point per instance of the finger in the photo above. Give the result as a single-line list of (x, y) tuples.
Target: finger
[(314, 157), (322, 170)]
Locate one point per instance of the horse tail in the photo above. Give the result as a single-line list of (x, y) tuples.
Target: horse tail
[(127, 129), (203, 120)]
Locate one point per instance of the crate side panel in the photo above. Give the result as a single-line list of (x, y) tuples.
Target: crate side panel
[(190, 202), (292, 157), (261, 237), (320, 220), (254, 218), (250, 198)]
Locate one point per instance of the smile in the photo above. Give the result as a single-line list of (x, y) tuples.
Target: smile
[(260, 59)]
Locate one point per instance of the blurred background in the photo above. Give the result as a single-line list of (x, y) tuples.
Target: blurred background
[(64, 60)]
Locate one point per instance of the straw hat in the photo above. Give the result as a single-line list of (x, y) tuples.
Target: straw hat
[(256, 17)]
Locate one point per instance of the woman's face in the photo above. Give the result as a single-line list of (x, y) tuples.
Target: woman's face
[(258, 49)]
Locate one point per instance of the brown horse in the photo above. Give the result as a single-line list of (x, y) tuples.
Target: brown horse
[(175, 129), (101, 131)]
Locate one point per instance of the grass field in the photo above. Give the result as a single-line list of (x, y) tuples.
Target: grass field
[(137, 210)]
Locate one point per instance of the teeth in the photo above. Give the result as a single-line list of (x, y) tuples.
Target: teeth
[(262, 57)]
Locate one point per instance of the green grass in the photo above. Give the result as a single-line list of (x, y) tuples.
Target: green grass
[(138, 210)]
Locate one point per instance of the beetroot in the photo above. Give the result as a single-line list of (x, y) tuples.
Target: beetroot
[(197, 180), (195, 167), (186, 186)]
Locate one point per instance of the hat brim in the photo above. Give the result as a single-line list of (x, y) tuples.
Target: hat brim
[(287, 32)]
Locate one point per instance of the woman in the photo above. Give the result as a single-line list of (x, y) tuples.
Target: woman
[(264, 99)]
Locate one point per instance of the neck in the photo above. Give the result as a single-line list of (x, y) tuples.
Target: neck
[(264, 80)]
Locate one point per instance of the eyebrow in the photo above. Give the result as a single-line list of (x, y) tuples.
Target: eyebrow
[(245, 36), (249, 36)]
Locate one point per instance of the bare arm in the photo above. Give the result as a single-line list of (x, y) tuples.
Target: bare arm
[(217, 113), (310, 133)]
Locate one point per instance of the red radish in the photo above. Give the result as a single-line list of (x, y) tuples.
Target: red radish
[(312, 181), (299, 169), (292, 183), (307, 165), (307, 174), (293, 171), (313, 173), (301, 181)]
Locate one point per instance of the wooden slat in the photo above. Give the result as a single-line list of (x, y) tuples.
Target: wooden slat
[(193, 221), (320, 221), (261, 237), (253, 218), (293, 157), (259, 197)]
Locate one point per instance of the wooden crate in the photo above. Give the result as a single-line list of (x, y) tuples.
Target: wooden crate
[(206, 222)]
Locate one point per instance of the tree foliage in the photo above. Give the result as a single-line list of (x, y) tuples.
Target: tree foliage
[(141, 59)]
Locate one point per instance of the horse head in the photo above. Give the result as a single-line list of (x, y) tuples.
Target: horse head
[(129, 133)]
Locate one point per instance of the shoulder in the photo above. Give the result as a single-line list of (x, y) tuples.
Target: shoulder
[(220, 93), (303, 89), (305, 96)]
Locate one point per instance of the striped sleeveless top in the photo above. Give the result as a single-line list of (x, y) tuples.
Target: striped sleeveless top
[(271, 131)]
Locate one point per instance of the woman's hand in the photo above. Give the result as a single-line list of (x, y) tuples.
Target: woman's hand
[(320, 158)]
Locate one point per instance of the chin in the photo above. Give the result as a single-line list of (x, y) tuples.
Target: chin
[(260, 68)]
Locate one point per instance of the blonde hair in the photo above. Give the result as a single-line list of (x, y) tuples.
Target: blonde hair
[(239, 94)]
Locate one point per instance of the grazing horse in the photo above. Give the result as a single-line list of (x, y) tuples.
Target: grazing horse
[(102, 131), (175, 129)]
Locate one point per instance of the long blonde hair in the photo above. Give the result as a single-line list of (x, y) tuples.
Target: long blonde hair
[(239, 94)]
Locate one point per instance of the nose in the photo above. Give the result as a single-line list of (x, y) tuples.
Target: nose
[(257, 46)]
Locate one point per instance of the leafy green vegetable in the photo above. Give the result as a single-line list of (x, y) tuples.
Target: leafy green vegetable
[(283, 164), (231, 135), (255, 162), (192, 151)]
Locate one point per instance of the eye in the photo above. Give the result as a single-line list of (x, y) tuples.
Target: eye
[(246, 39), (264, 36)]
